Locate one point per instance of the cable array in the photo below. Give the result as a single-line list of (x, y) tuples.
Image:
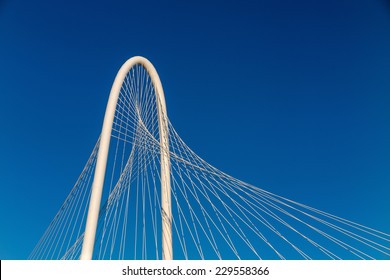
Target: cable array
[(67, 226), (215, 216)]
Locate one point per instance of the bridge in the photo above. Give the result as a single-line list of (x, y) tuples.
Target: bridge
[(144, 194)]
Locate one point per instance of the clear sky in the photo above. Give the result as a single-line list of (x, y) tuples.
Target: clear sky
[(291, 96)]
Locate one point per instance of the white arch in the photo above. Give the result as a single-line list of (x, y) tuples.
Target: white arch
[(98, 181)]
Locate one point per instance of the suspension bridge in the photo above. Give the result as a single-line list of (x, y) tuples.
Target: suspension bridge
[(144, 194)]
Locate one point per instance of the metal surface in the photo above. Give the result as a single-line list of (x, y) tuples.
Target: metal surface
[(98, 181)]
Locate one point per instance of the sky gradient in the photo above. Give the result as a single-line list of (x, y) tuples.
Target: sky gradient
[(290, 96)]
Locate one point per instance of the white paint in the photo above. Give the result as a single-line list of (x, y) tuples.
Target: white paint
[(98, 181)]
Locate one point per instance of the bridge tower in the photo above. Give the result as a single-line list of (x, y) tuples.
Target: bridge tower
[(98, 181)]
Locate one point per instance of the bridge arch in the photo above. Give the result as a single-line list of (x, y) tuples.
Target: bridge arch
[(101, 163)]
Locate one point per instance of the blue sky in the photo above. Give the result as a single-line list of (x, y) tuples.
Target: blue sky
[(291, 96)]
